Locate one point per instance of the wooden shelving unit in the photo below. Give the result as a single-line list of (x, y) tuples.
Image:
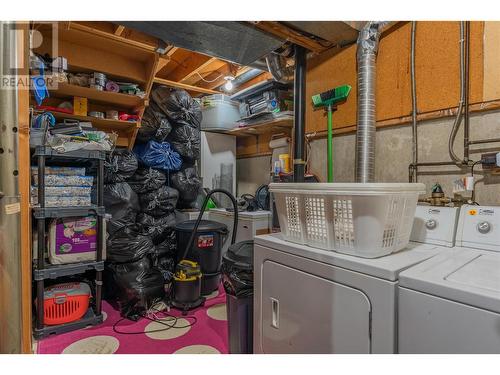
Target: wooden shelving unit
[(120, 59), (275, 126), (126, 130), (253, 140), (65, 90)]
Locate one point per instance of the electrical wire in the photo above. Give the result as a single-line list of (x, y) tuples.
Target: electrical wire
[(161, 321), (458, 118), (473, 195), (209, 81)]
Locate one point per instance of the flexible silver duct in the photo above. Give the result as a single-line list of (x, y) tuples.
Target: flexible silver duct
[(276, 64), (414, 108), (368, 41)]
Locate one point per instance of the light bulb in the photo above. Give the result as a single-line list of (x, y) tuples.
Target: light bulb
[(229, 85)]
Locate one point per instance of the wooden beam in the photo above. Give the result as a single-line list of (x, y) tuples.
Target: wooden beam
[(284, 32), (119, 30), (210, 72), (198, 69), (118, 38), (184, 86), (190, 62), (23, 124)]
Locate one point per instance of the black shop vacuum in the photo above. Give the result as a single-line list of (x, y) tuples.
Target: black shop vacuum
[(199, 256)]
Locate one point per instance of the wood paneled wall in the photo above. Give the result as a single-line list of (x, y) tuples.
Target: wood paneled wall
[(437, 73)]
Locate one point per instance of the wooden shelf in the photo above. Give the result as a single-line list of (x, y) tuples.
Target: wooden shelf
[(277, 125), (126, 130), (108, 97)]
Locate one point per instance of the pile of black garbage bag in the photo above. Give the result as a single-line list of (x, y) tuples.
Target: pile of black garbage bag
[(143, 193)]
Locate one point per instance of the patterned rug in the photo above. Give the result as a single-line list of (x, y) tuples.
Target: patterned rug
[(207, 336)]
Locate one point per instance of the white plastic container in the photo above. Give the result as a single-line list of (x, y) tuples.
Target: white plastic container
[(364, 220), (250, 224), (219, 112)]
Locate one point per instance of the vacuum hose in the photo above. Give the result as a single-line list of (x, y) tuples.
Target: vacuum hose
[(202, 211)]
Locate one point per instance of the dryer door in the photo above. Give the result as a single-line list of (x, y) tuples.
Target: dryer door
[(303, 313)]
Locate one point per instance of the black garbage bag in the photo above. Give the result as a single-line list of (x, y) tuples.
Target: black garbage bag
[(122, 203), (165, 249), (119, 165), (157, 228), (166, 266), (160, 202), (128, 244), (187, 182), (136, 286), (147, 179), (186, 140), (158, 155), (178, 105), (154, 125)]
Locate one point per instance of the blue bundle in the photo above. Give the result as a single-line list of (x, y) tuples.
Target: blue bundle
[(158, 155)]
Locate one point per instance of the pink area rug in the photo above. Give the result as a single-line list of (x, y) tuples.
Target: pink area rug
[(208, 335)]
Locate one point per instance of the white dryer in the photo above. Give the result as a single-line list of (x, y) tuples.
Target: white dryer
[(309, 300), (451, 303)]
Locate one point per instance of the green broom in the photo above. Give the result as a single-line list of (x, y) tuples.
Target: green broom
[(330, 99)]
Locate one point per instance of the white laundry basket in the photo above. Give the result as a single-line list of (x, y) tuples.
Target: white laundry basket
[(365, 220)]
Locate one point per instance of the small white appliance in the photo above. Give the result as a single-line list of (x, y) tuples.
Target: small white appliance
[(451, 303), (250, 224)]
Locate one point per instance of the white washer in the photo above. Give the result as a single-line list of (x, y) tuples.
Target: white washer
[(451, 303)]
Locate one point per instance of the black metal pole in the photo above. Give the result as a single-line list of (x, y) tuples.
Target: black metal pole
[(40, 284), (299, 105)]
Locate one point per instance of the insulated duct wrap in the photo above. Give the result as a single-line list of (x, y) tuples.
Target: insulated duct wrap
[(366, 116)]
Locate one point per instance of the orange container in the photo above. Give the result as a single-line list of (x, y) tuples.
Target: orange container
[(65, 303)]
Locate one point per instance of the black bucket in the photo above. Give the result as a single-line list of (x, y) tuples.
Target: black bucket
[(206, 249)]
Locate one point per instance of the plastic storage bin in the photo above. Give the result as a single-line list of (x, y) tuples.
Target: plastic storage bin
[(364, 220), (219, 112), (64, 303)]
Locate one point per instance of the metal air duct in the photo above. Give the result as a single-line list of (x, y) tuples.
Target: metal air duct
[(368, 41)]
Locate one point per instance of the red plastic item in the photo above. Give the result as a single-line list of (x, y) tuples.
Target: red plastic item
[(54, 109), (123, 116), (65, 303)]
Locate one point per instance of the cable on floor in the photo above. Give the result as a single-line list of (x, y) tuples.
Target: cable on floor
[(161, 321)]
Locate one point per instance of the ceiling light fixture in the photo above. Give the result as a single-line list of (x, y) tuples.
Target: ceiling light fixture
[(228, 86)]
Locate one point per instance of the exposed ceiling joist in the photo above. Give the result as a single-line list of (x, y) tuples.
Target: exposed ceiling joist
[(283, 32), (198, 69), (189, 65), (119, 30), (184, 86), (209, 72)]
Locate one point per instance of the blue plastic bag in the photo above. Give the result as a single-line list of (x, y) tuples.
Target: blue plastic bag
[(158, 155)]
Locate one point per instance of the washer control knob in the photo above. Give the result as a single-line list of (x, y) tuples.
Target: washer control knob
[(484, 227), (431, 224)]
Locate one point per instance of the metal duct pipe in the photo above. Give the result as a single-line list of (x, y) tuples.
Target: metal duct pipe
[(259, 64), (368, 41), (276, 64), (299, 103), (414, 103), (247, 76), (10, 246)]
